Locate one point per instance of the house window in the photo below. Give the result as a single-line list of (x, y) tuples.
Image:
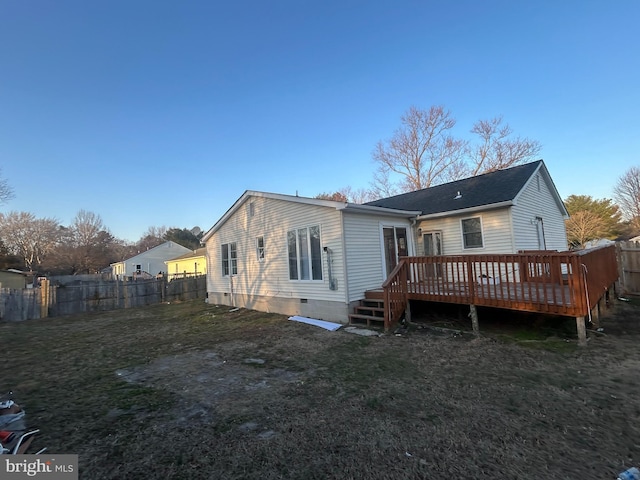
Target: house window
[(251, 210), (229, 259), (305, 253), (260, 248), (472, 232)]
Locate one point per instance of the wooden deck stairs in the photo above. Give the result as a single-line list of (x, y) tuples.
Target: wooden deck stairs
[(370, 312)]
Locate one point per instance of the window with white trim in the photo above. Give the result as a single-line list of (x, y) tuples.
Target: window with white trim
[(472, 232), (260, 248), (229, 259), (305, 253)]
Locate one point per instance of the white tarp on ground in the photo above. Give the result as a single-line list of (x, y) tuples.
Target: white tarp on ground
[(318, 323)]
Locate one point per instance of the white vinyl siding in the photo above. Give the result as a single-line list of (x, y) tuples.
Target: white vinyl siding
[(496, 233), (532, 203), (364, 251), (272, 219)]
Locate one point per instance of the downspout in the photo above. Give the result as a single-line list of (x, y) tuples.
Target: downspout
[(231, 290), (415, 239), (344, 262)]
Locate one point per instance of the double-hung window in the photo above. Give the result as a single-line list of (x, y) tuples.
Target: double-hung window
[(260, 248), (305, 253), (229, 259), (472, 232)]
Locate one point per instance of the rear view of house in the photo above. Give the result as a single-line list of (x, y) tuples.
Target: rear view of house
[(301, 256), (506, 211), (312, 257)]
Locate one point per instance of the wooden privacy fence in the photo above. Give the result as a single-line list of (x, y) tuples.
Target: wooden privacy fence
[(629, 266), (557, 283), (53, 301)]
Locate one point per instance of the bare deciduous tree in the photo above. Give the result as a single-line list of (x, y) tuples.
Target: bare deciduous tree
[(6, 192), (86, 227), (30, 237), (627, 195), (90, 243), (497, 150), (584, 226), (382, 186), (153, 237), (348, 194), (422, 152), (581, 227), (336, 196)]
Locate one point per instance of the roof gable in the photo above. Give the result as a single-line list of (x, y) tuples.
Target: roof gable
[(356, 208), (490, 189), (158, 251), (200, 252)]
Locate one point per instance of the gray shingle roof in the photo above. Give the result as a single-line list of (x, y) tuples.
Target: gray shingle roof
[(487, 189)]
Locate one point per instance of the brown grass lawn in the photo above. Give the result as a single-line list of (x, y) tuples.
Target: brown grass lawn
[(194, 391)]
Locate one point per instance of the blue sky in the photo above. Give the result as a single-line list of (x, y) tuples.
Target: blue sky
[(152, 113)]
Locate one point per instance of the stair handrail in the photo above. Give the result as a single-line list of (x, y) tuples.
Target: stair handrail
[(395, 307)]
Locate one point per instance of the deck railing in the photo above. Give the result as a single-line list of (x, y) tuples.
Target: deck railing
[(560, 283)]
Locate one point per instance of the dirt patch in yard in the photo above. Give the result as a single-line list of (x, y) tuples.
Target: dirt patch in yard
[(209, 386), (194, 391)]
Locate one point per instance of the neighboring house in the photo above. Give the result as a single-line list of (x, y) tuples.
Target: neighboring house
[(149, 263), (190, 264), (13, 279), (312, 257)]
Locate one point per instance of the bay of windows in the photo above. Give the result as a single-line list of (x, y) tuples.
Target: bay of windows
[(305, 253)]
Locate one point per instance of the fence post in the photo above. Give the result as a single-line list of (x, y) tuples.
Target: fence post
[(125, 292), (44, 298)]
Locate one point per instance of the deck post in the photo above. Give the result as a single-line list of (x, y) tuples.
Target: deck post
[(407, 313), (595, 315), (582, 331), (473, 313)]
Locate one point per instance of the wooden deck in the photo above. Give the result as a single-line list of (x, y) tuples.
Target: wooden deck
[(558, 283), (518, 297)]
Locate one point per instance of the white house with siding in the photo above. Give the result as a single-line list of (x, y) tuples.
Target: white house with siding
[(316, 258), (148, 263), (299, 256), (506, 211)]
